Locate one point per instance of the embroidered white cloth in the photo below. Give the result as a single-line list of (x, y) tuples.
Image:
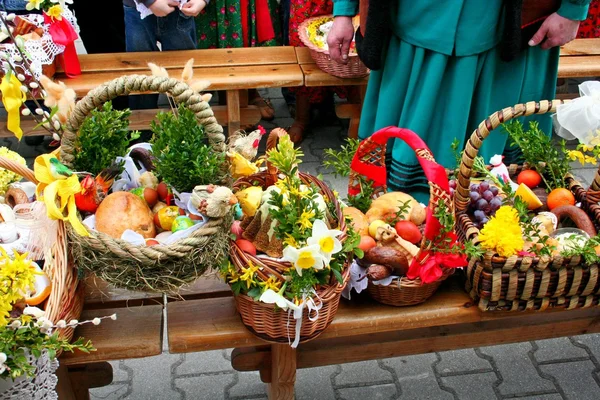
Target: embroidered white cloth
[(40, 387)]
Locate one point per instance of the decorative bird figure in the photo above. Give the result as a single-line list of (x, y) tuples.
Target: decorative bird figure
[(247, 145), (94, 190), (59, 170), (213, 201)]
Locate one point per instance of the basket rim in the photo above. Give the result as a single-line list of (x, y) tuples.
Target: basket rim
[(303, 34)]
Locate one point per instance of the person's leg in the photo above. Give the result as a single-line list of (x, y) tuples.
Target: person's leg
[(177, 31), (140, 35), (301, 119)]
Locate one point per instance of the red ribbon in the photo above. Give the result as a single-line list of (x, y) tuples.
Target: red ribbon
[(62, 33)]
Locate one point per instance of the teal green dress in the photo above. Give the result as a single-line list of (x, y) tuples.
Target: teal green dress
[(442, 76)]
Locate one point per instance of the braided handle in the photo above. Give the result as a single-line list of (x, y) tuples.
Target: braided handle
[(18, 169), (461, 195), (125, 85)]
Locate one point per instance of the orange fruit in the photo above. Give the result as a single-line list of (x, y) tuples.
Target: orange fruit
[(366, 243), (560, 197), (527, 195), (41, 287), (530, 178), (359, 221)]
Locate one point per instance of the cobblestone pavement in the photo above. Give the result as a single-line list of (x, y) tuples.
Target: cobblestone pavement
[(563, 368)]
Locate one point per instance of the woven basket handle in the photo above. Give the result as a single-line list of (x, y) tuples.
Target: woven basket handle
[(17, 168), (369, 161), (461, 195), (125, 85)]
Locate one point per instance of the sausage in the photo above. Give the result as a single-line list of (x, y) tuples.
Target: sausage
[(578, 216), (389, 257), (378, 272)]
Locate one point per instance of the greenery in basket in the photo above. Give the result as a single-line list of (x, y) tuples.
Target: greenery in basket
[(314, 251), (184, 159), (339, 162), (29, 333), (103, 136)]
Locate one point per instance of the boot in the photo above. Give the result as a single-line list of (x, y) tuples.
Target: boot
[(301, 120)]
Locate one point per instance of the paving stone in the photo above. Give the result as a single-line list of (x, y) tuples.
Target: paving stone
[(315, 383), (271, 93), (417, 377), (472, 386), (552, 396), (121, 373), (110, 392), (557, 349), (311, 167), (584, 175), (592, 342), (575, 379), (203, 362), (364, 372), (518, 372), (248, 385), (211, 387), (368, 392), (461, 361), (152, 376), (326, 137)]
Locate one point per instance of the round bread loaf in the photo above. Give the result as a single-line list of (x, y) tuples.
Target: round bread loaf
[(120, 211)]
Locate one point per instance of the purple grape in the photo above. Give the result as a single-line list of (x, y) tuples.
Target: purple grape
[(479, 215), (484, 221), (451, 191), (483, 186), (482, 205), (474, 196), (474, 187), (452, 184), (488, 195), (494, 190), (495, 203)]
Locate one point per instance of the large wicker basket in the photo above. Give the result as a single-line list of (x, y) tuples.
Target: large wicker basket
[(353, 69), (159, 268), (590, 198), (519, 283), (266, 320), (66, 298), (369, 161)]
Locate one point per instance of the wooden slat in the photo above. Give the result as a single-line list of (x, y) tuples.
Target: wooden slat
[(132, 62), (136, 333), (313, 76), (100, 295), (221, 78), (203, 288), (303, 55), (579, 67), (140, 119), (581, 47)]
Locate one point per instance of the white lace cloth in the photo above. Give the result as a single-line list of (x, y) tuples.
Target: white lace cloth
[(40, 387), (42, 52)]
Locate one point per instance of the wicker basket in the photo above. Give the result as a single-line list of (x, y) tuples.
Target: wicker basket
[(353, 69), (265, 320), (157, 268), (519, 283), (369, 161), (589, 199), (66, 298)]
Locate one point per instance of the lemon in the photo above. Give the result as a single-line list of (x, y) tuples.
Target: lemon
[(527, 195), (374, 225)]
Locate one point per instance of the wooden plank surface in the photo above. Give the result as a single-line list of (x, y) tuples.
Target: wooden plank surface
[(132, 62), (101, 295), (303, 55), (137, 332), (581, 47), (313, 76), (221, 78), (579, 67)]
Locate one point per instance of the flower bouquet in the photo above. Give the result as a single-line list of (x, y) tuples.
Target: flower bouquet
[(313, 33), (289, 257), (539, 247)]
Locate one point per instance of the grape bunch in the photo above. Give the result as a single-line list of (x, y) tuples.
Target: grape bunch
[(452, 184), (484, 202)]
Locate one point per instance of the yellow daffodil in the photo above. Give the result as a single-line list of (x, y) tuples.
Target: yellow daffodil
[(56, 188), (304, 258), (55, 12), (33, 4), (271, 284), (13, 98), (305, 219), (326, 239), (248, 274)]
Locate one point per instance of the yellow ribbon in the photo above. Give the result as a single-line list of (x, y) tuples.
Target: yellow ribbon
[(13, 98), (59, 190)]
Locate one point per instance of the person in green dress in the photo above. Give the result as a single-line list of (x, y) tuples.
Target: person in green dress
[(241, 23), (442, 75)]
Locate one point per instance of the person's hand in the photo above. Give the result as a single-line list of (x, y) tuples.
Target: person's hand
[(555, 31), (193, 7), (339, 39), (162, 8)]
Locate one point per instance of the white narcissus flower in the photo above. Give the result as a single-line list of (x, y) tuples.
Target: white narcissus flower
[(271, 297), (326, 239), (2, 361), (34, 312), (304, 258)]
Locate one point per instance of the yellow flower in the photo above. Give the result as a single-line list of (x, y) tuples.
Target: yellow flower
[(248, 274), (7, 177), (17, 276), (55, 12), (304, 220), (33, 4), (502, 233), (271, 283), (587, 148), (326, 239), (304, 258), (290, 241), (576, 155), (590, 160)]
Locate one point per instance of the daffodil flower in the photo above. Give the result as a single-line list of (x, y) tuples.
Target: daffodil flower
[(304, 258), (33, 4), (326, 239), (55, 12), (3, 359), (271, 297)]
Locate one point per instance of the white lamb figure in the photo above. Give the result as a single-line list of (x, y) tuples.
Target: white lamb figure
[(501, 171)]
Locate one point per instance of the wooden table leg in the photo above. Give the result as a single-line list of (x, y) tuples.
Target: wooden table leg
[(74, 382), (233, 110), (283, 372), (352, 110)]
